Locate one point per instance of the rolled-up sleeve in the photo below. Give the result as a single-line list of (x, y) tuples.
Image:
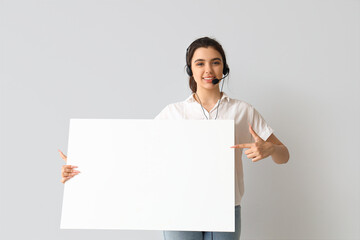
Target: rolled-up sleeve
[(259, 124)]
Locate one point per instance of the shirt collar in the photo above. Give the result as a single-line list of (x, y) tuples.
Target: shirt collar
[(192, 99)]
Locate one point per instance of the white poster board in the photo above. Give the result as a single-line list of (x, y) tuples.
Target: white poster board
[(150, 175)]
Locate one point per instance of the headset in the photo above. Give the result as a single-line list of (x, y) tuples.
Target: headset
[(215, 81)]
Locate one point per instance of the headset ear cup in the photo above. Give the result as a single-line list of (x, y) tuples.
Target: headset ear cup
[(188, 70), (226, 69), (188, 67)]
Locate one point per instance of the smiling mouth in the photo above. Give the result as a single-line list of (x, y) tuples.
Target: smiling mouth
[(209, 80)]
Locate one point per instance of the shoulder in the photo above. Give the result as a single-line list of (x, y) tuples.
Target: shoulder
[(239, 104), (175, 105), (240, 109), (171, 111)]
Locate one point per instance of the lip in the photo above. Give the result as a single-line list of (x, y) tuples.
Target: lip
[(208, 81)]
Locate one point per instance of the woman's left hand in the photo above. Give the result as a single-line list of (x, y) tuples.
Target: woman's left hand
[(258, 150)]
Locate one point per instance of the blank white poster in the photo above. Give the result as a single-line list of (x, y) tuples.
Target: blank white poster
[(150, 175)]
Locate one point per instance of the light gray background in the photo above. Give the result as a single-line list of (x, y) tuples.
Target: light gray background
[(297, 62)]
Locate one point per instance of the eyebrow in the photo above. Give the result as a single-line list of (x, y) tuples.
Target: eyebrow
[(204, 60)]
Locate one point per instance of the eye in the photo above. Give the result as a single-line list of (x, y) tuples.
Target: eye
[(200, 64)]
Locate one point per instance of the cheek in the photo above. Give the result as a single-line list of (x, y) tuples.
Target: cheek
[(197, 79), (219, 69), (197, 75), (196, 72)]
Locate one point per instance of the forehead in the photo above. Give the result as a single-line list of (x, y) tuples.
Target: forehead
[(206, 53)]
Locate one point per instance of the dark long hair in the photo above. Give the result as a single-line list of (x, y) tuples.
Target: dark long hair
[(202, 42)]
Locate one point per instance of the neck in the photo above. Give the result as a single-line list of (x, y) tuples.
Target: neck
[(208, 97)]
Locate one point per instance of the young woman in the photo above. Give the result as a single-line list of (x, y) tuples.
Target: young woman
[(206, 66)]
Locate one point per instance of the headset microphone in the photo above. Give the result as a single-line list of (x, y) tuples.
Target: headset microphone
[(216, 81)]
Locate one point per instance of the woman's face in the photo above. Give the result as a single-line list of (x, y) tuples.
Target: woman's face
[(206, 64)]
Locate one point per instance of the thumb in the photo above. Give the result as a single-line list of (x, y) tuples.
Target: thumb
[(63, 156), (254, 134)]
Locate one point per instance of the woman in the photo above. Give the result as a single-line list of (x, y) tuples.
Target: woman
[(206, 66)]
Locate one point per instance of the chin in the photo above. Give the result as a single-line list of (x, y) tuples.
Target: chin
[(209, 87)]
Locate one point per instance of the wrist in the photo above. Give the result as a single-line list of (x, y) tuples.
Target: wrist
[(272, 148)]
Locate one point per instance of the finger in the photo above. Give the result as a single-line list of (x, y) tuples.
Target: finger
[(251, 156), (72, 171), (249, 151), (254, 134), (63, 156), (64, 179), (64, 172), (63, 169), (256, 159), (67, 171), (68, 176), (73, 174), (244, 145), (70, 168)]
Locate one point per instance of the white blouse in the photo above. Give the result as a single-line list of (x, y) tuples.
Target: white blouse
[(229, 109)]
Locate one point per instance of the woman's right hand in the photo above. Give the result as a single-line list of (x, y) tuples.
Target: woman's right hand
[(67, 171)]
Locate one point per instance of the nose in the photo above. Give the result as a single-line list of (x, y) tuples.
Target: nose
[(208, 68)]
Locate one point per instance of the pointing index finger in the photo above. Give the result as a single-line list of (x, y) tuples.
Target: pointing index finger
[(244, 145)]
